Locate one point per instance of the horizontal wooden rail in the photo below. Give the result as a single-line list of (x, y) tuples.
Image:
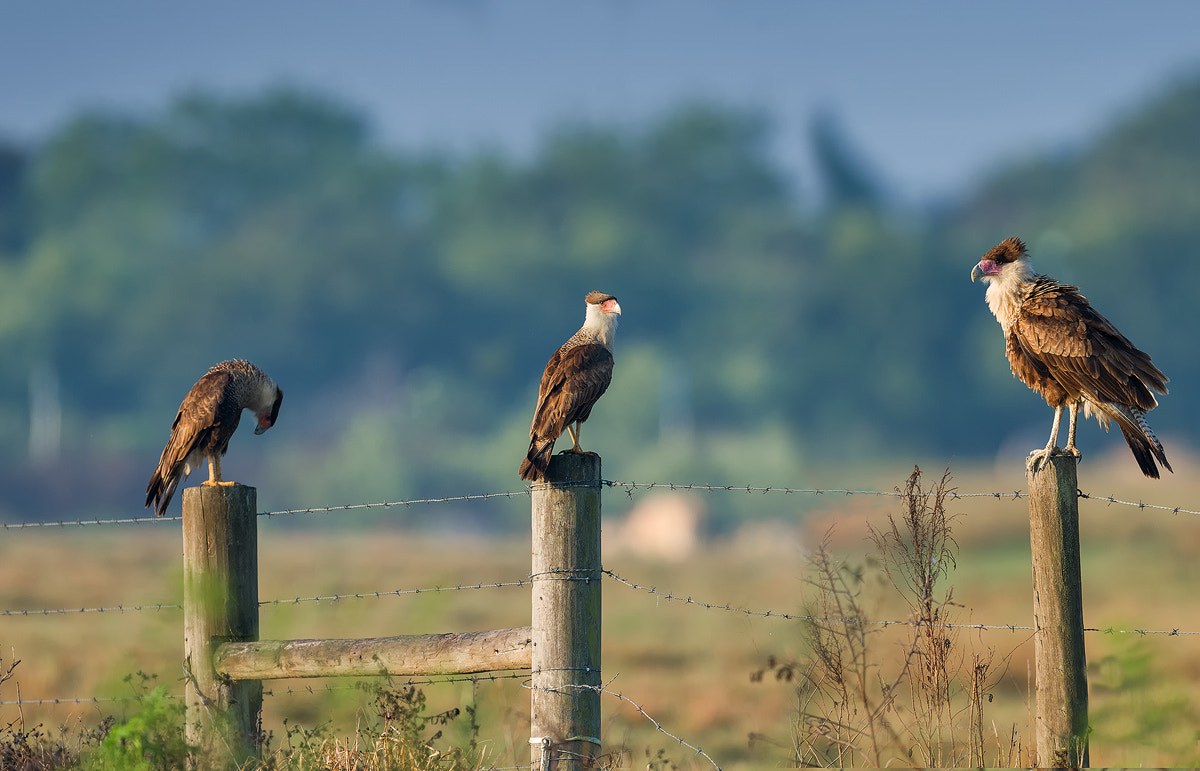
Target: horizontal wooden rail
[(426, 654)]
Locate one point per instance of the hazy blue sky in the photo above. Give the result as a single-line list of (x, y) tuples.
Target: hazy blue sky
[(932, 93)]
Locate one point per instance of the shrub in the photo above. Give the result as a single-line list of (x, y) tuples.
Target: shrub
[(151, 739)]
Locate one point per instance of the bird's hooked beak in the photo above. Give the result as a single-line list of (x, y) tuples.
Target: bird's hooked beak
[(611, 306), (977, 272), (264, 422)]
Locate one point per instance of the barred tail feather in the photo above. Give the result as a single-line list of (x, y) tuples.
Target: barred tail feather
[(1142, 442), (1144, 453), (1155, 446), (537, 460)]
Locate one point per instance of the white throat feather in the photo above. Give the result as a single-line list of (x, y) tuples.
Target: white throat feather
[(1006, 291)]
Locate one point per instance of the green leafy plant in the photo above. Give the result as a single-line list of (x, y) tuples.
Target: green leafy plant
[(151, 739)]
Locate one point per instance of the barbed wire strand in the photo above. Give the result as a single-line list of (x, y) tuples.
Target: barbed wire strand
[(277, 602), (567, 575), (79, 700), (695, 487), (1110, 499), (628, 486), (604, 689), (113, 609), (396, 504), (729, 608), (552, 575), (83, 522), (394, 593)]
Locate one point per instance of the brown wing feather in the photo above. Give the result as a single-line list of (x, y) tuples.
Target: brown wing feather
[(570, 386), (574, 379), (1064, 349), (205, 422)]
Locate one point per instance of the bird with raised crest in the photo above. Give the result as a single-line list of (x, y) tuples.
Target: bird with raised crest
[(574, 379), (1060, 347)]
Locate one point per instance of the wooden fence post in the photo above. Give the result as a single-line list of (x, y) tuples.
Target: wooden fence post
[(220, 601), (1062, 695), (565, 724)]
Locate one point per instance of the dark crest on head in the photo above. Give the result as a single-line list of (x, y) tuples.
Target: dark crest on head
[(1008, 250), (595, 298)]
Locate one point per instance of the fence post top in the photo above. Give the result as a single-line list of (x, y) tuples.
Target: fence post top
[(573, 467)]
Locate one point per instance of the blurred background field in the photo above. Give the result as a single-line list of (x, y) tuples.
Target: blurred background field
[(397, 214), (789, 301)]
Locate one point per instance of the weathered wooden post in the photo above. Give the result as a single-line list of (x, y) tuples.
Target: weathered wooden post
[(565, 724), (220, 600), (1062, 695)]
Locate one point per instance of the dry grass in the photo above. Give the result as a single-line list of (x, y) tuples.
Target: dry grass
[(920, 699), (688, 667)]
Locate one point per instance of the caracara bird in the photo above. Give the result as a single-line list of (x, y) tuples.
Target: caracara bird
[(206, 421), (576, 376), (1071, 355)]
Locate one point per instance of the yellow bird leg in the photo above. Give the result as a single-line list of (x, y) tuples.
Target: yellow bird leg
[(574, 432), (214, 473)]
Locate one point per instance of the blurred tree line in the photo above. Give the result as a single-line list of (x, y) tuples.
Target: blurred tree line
[(407, 301)]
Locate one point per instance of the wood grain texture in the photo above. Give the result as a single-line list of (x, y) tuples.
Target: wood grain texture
[(567, 577), (1062, 689), (427, 654), (220, 599)]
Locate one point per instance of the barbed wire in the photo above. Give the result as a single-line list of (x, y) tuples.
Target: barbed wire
[(549, 575), (604, 689), (396, 504), (112, 609), (591, 575), (729, 608), (628, 486), (278, 602), (694, 487), (396, 593), (79, 700), (1110, 499), (83, 522)]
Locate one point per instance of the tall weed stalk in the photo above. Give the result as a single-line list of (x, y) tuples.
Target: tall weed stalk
[(922, 702)]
